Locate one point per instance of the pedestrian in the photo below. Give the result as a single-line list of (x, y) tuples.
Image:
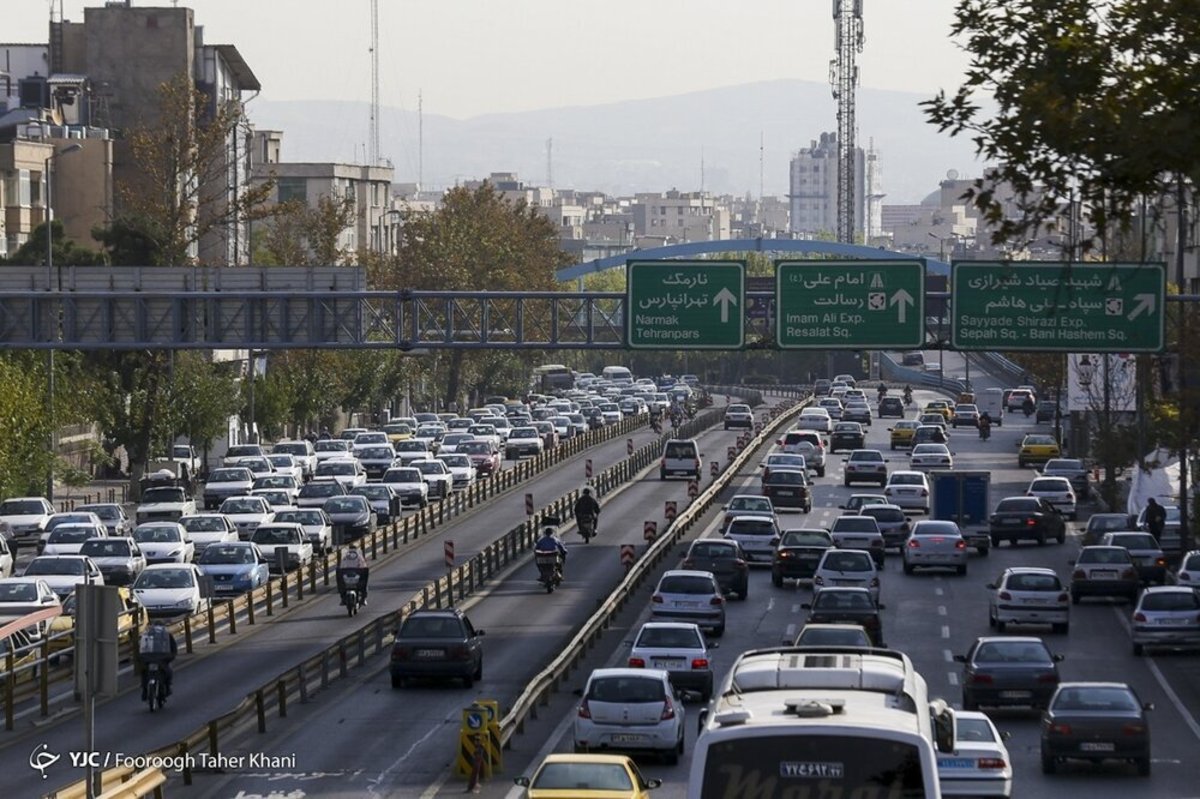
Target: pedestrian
[(1156, 518)]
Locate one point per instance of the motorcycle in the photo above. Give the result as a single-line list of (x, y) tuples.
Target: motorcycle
[(985, 432), (156, 686), (352, 597), (549, 570), (908, 398), (587, 527)]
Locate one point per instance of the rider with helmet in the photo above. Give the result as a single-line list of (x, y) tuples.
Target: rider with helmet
[(586, 507), (157, 645), (353, 562), (549, 542)]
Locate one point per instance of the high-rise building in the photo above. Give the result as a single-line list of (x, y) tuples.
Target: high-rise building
[(812, 188)]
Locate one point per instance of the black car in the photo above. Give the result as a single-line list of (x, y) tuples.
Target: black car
[(725, 559), (891, 406), (1095, 721), (1045, 411), (1008, 671), (847, 435), (1026, 518), (788, 488), (439, 644), (846, 605), (797, 555)]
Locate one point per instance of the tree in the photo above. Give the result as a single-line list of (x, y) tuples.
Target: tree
[(202, 396), (299, 235), (24, 459), (476, 240), (66, 251)]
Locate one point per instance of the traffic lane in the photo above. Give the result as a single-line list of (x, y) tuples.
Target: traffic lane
[(524, 627), (203, 688)]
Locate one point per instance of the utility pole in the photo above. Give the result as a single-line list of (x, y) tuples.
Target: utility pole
[(373, 137), (1183, 384)]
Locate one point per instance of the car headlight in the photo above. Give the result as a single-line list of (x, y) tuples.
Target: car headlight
[(174, 553), (185, 603)]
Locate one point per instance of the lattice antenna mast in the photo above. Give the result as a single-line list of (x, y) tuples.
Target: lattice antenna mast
[(843, 78), (373, 134)]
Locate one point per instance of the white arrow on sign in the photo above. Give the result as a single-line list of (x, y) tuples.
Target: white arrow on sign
[(1145, 303), (901, 298), (724, 298)]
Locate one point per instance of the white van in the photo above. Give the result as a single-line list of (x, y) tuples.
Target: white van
[(618, 374), (991, 402)]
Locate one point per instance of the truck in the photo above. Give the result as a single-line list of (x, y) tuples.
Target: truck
[(962, 497)]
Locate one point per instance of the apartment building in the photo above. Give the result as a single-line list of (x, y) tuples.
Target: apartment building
[(677, 217), (813, 188)]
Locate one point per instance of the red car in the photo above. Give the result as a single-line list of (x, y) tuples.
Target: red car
[(484, 456)]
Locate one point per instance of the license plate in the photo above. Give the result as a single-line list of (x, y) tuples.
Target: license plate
[(1015, 694), (1096, 746), (956, 762), (1009, 520), (429, 653), (906, 492), (687, 604), (1031, 601), (845, 582), (668, 663), (785, 493), (1103, 574), (1169, 622), (628, 738)]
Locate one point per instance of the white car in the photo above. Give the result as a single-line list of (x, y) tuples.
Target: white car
[(112, 514), (26, 518), (430, 435), (164, 542), (206, 529), (247, 513), (523, 441), (164, 504), (171, 589), (832, 405), (258, 467), (239, 452), (224, 483), (1029, 595), (303, 452), (66, 517), (277, 482), (487, 432), (408, 484), (611, 412), (437, 475), (67, 539), (814, 419), (854, 568), (462, 471), (935, 544), (1166, 616), (980, 764), (290, 536), (630, 709), (277, 498), (680, 649), (6, 558), (64, 572), (1057, 491), (317, 527), (371, 438), (347, 471), (330, 448), (411, 450), (286, 464), (1188, 572), (909, 490), (452, 440), (20, 596), (930, 456)]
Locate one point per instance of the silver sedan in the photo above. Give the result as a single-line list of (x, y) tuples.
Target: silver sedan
[(935, 544)]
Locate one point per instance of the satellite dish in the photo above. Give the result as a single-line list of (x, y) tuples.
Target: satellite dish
[(951, 174)]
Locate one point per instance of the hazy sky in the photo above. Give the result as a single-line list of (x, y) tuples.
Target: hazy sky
[(470, 57)]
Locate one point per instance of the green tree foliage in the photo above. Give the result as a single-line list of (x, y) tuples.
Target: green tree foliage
[(202, 395), (1093, 99), (24, 459), (66, 251), (300, 235)]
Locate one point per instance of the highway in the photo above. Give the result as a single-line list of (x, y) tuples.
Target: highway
[(218, 677)]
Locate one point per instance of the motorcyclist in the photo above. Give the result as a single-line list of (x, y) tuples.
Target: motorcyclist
[(549, 543), (352, 561), (908, 395), (1028, 406), (157, 645), (985, 425), (883, 390), (587, 507)]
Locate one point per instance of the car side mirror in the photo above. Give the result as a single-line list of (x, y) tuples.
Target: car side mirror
[(1059, 658), (881, 606), (653, 782), (806, 605), (1147, 706), (991, 586), (522, 781), (960, 658), (578, 692)]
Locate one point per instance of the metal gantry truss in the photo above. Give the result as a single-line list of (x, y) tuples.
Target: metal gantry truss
[(843, 76), (338, 319)]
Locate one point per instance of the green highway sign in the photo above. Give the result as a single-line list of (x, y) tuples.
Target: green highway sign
[(1058, 307), (849, 304), (691, 305)]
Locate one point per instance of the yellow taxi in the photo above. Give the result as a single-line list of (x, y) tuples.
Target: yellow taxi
[(567, 776), (398, 431), (26, 652), (1037, 448), (62, 628), (902, 433), (940, 406)]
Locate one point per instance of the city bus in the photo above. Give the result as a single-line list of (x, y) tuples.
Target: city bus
[(821, 723), (552, 378)]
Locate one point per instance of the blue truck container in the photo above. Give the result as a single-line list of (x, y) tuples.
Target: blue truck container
[(963, 498)]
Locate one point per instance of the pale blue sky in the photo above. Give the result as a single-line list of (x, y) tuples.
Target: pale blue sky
[(471, 57)]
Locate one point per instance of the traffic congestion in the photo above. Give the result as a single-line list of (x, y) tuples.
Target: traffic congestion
[(955, 602)]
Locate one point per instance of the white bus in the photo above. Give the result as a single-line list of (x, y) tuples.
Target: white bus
[(821, 723)]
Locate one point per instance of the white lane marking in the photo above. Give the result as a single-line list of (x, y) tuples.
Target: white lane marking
[(374, 784), (790, 632), (948, 655), (939, 591), (945, 631), (1161, 678), (941, 610), (770, 604), (796, 608), (952, 676)]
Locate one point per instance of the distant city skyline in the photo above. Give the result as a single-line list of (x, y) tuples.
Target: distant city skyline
[(473, 57)]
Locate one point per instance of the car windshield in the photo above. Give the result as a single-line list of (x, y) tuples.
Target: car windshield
[(106, 548), (930, 449), (713, 549), (229, 476), (1018, 505), (842, 600), (18, 592), (330, 446), (626, 690), (165, 578), (968, 729), (785, 460), (1037, 441), (52, 566), (70, 534), (402, 476), (275, 536), (686, 584), (805, 538), (681, 450), (751, 527), (243, 451), (475, 448), (344, 505), (431, 467), (299, 516), (1049, 484), (224, 554), (204, 524), (291, 449), (1095, 698), (1063, 465), (750, 504), (375, 491), (855, 524), (523, 432), (243, 506), (106, 512), (906, 479), (21, 508), (457, 461), (786, 477), (432, 627), (847, 427), (275, 481), (1170, 600), (1104, 555), (1012, 652), (886, 515), (158, 495), (1107, 522), (672, 637), (1134, 541), (325, 489), (286, 461), (377, 453), (156, 534), (335, 468), (847, 562), (569, 777)]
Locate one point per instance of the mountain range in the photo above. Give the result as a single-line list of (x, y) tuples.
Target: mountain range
[(708, 139)]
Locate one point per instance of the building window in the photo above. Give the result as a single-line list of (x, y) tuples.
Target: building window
[(292, 189)]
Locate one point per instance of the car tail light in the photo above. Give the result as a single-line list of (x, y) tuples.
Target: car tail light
[(637, 663), (990, 762), (1051, 678), (774, 542), (874, 582), (688, 563), (740, 564), (1064, 597), (1060, 729), (657, 598), (1160, 562), (1031, 522), (459, 652), (1005, 595), (1139, 616), (960, 544), (1129, 574), (1184, 576), (399, 653), (585, 712), (699, 663), (914, 543), (981, 679), (785, 554), (1133, 729), (1079, 574), (924, 492), (668, 711), (717, 600)]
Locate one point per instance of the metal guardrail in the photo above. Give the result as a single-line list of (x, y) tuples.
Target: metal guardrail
[(352, 650), (223, 615), (918, 379), (549, 679)]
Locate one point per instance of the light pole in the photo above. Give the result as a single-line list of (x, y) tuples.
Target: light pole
[(50, 282)]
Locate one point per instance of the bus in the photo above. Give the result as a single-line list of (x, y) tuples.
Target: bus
[(552, 378), (821, 723), (619, 375)]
